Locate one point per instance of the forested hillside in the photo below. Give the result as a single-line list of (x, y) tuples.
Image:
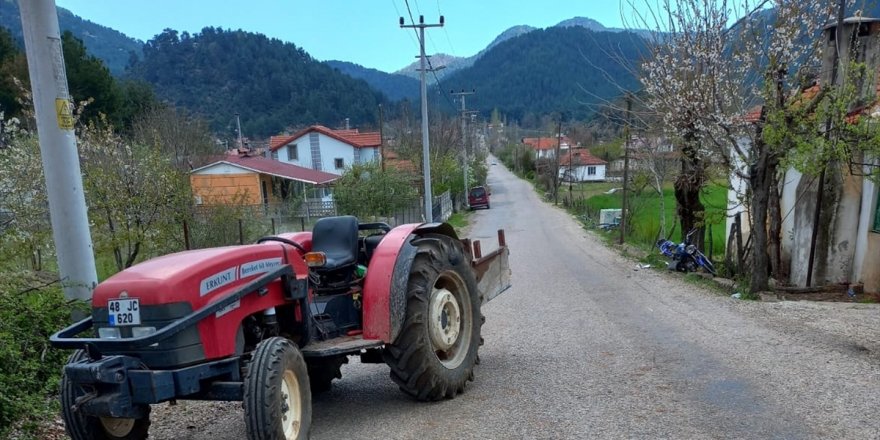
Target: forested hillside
[(111, 46), (570, 69), (272, 84), (452, 64), (394, 86)]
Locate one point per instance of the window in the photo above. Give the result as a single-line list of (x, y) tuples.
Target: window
[(275, 155), (876, 227), (591, 171), (339, 163), (292, 153)]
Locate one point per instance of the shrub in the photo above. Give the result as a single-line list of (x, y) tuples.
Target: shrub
[(30, 311)]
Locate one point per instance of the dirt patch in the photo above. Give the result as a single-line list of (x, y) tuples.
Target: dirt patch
[(836, 293)]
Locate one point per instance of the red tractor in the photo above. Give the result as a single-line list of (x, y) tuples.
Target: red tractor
[(271, 323)]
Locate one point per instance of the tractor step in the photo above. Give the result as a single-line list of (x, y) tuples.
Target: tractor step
[(339, 346)]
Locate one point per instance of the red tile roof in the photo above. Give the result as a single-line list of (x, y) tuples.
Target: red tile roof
[(754, 115), (392, 160), (352, 137), (545, 143), (275, 168), (581, 157)]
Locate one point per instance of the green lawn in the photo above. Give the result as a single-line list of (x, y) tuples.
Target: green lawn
[(646, 208)]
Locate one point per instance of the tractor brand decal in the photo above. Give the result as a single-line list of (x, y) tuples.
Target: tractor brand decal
[(259, 266), (228, 309), (218, 280)]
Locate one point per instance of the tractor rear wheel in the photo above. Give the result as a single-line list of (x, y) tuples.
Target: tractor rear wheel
[(277, 396), (82, 427), (434, 355)]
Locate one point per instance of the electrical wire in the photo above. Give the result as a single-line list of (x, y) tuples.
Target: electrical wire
[(430, 66), (414, 40)]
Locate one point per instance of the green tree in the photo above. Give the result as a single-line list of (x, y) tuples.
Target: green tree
[(89, 79), (13, 67), (365, 190)]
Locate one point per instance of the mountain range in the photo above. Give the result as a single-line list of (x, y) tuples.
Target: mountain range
[(524, 72), (116, 49)]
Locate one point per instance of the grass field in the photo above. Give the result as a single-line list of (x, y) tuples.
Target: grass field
[(646, 208)]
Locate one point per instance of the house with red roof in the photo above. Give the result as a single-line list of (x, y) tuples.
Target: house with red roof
[(242, 178), (545, 147), (578, 165), (323, 149)]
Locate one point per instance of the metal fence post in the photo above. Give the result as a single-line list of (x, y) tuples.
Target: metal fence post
[(186, 240)]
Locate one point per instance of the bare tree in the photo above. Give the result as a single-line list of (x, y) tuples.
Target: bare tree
[(136, 195), (185, 139)]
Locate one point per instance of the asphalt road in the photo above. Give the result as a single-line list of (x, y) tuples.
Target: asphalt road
[(586, 346)]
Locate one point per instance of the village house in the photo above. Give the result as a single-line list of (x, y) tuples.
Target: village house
[(242, 178), (545, 147), (848, 231), (324, 149), (579, 165)]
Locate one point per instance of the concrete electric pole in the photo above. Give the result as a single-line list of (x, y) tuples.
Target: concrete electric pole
[(64, 187), (625, 168), (426, 159), (462, 94), (238, 128)]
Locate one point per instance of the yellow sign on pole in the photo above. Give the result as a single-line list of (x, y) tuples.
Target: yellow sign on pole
[(64, 114)]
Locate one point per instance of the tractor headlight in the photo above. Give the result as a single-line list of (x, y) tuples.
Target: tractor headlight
[(690, 249), (137, 332), (108, 333)]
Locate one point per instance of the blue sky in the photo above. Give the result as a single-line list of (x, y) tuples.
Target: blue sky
[(365, 32)]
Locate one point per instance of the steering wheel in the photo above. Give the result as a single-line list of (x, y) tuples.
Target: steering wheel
[(282, 240)]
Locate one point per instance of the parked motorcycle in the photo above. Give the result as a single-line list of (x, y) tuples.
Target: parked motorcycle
[(685, 257)]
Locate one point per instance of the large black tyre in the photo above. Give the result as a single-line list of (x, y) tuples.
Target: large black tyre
[(277, 396), (434, 355), (82, 427), (322, 372)]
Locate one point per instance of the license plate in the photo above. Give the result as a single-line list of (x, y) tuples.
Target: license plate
[(124, 311)]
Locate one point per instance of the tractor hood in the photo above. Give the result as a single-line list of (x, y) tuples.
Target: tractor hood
[(197, 276)]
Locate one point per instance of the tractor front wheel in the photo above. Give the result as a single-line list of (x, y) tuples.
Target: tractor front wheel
[(82, 427), (434, 355), (277, 396)]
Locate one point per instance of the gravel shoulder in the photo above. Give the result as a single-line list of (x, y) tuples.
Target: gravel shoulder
[(585, 346)]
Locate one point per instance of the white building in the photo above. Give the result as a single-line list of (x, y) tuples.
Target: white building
[(323, 149), (581, 166)]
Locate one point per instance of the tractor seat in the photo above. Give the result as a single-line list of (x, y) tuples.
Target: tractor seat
[(371, 242), (337, 238)]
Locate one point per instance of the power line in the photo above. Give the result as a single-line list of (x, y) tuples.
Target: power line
[(422, 43), (394, 3), (448, 40)]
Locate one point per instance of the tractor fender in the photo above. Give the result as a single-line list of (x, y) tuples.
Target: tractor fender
[(387, 277)]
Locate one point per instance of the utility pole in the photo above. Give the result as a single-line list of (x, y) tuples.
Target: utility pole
[(462, 94), (64, 187), (570, 175), (426, 158), (625, 167), (556, 159), (381, 138), (838, 32), (238, 127)]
